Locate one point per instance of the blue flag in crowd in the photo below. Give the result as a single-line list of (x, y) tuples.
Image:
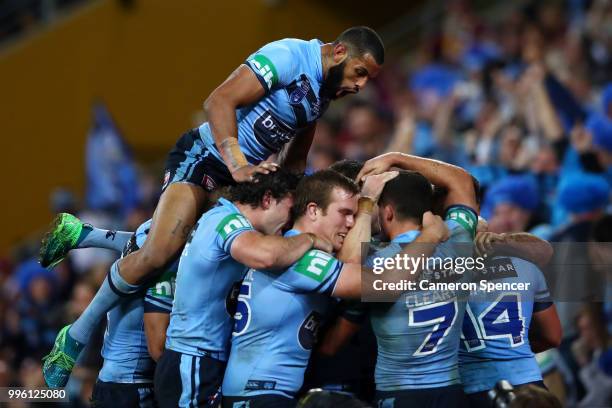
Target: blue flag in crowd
[(112, 182)]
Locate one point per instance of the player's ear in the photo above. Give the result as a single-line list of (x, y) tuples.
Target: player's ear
[(340, 53), (266, 201), (311, 211), (388, 213)]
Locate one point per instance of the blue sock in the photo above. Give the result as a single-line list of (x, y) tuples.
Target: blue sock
[(92, 237), (113, 290)]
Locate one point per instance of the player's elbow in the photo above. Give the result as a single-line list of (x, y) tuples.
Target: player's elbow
[(209, 104)]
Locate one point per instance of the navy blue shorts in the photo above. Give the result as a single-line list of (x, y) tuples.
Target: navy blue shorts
[(182, 380), (259, 401), (443, 397), (114, 395), (190, 161)]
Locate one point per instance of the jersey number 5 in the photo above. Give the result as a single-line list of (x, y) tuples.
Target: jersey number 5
[(242, 317)]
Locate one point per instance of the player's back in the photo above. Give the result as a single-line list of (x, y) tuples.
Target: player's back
[(418, 335), (495, 339), (200, 322), (276, 325), (291, 72)]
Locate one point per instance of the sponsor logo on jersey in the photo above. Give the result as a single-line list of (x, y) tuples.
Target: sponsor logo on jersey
[(165, 286), (315, 264), (309, 330), (499, 268), (271, 132), (266, 69), (231, 301), (256, 385), (231, 223)]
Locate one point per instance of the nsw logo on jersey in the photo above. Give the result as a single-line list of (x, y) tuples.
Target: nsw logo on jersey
[(266, 69), (309, 330), (315, 264), (300, 92), (232, 223), (271, 132)]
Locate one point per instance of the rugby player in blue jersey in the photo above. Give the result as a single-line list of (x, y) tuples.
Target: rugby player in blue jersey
[(418, 335), (503, 329), (279, 315), (268, 105), (227, 240), (126, 377)]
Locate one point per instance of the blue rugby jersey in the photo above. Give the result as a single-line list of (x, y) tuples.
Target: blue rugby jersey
[(277, 321), (125, 353), (418, 335), (201, 318), (495, 339), (291, 72)]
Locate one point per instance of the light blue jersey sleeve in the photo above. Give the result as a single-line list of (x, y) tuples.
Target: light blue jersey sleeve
[(274, 65), (231, 227), (542, 298), (159, 297), (316, 271)]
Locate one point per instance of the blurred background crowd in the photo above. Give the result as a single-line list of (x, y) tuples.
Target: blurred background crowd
[(522, 99)]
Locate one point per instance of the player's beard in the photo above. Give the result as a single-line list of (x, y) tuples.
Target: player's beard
[(331, 84)]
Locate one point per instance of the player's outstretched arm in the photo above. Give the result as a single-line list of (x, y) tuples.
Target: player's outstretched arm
[(521, 244), (456, 180), (241, 88), (259, 251), (362, 230), (545, 330), (349, 284)]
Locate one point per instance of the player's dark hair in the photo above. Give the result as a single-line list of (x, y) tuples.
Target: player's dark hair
[(278, 184), (348, 168), (410, 194), (317, 188), (363, 40)]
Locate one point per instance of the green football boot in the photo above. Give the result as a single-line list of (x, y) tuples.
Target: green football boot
[(58, 364), (63, 235)]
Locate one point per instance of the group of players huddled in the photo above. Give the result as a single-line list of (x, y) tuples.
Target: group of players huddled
[(248, 271)]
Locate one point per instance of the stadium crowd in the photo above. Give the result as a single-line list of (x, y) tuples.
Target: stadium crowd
[(523, 102)]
